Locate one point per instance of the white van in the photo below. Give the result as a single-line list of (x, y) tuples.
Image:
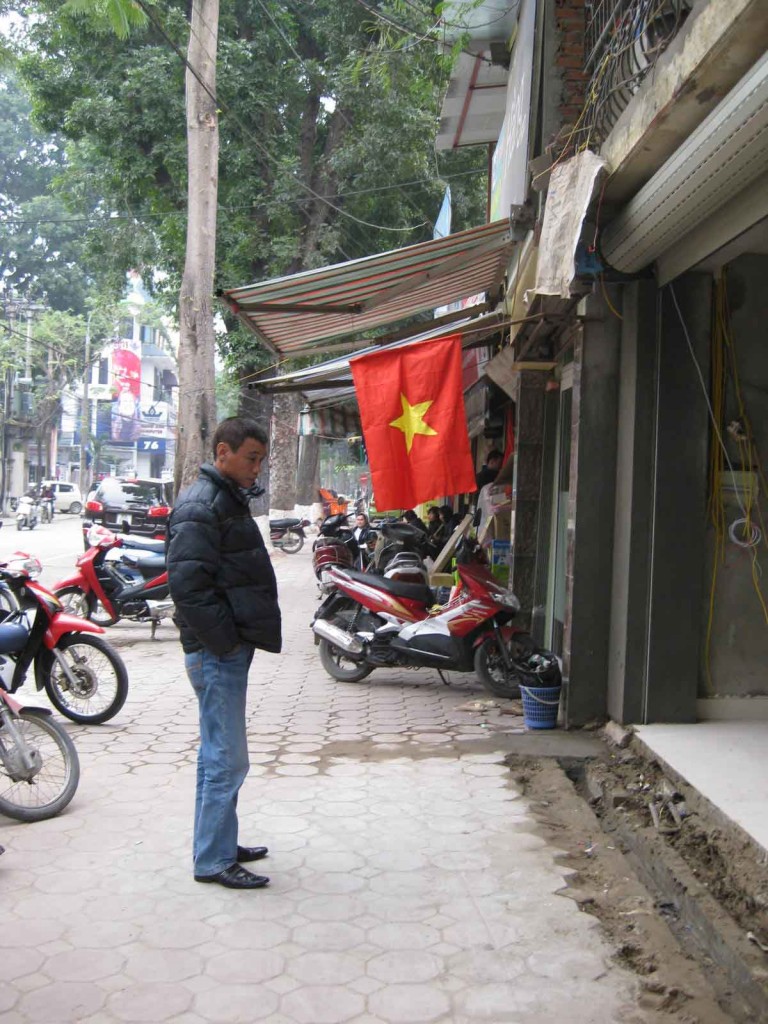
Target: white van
[(67, 497)]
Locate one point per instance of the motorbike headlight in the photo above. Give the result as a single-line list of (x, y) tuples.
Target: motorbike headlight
[(21, 562), (507, 599)]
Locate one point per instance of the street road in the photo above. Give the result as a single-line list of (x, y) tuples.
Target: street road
[(56, 544)]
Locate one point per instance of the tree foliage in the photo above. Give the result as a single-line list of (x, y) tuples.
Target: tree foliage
[(326, 126)]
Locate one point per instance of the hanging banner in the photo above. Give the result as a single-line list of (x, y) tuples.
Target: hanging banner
[(571, 188), (126, 377)]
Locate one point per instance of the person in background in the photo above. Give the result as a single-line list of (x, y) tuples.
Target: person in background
[(223, 586), (362, 530), (365, 536), (490, 469), (436, 528), (47, 495), (410, 517)]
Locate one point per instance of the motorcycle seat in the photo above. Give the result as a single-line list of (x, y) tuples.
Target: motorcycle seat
[(146, 561), (147, 544), (283, 524), (13, 637), (415, 591)]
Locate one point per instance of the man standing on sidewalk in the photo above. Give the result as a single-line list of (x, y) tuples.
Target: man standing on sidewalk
[(224, 589)]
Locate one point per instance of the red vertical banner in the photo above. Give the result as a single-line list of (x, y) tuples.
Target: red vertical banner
[(126, 378)]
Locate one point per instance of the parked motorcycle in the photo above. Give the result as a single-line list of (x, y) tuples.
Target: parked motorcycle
[(39, 766), (373, 621), (288, 534), (26, 513), (84, 678), (335, 546), (118, 576)]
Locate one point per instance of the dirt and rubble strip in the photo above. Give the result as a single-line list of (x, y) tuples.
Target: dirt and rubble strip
[(677, 985)]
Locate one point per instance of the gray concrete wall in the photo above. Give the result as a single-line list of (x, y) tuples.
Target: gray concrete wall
[(591, 513), (634, 498), (739, 639)]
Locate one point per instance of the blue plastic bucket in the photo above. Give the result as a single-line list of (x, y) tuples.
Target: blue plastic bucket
[(540, 706)]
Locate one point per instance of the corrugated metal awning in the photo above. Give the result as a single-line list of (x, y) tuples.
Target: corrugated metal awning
[(295, 315)]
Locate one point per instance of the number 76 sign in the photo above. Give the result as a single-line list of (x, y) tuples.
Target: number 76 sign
[(154, 445)]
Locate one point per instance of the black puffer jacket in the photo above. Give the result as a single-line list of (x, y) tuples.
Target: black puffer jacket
[(221, 579)]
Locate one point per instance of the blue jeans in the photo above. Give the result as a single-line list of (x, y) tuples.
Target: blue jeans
[(220, 683)]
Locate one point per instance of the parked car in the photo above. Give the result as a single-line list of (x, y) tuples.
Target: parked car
[(66, 497), (130, 506)]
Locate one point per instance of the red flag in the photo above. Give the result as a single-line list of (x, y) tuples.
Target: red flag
[(412, 412)]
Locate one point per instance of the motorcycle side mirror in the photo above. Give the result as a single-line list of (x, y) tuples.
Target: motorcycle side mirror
[(126, 528)]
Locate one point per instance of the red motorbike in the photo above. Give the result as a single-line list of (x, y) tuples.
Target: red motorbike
[(336, 546), (118, 576), (84, 678), (371, 621)]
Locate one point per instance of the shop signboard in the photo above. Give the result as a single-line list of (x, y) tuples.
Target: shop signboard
[(509, 172)]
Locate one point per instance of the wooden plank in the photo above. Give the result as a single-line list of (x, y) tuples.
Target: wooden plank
[(450, 545)]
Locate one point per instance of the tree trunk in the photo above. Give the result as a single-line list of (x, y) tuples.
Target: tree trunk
[(308, 474), (257, 405), (197, 402), (283, 460)]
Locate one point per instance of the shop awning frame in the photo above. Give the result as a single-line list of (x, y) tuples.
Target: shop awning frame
[(333, 378), (308, 313)]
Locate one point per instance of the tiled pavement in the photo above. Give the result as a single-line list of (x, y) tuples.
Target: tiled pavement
[(408, 882)]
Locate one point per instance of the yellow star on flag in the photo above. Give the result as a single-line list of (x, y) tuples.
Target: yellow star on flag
[(411, 421)]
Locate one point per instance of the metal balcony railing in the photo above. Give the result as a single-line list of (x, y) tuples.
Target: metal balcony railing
[(623, 41)]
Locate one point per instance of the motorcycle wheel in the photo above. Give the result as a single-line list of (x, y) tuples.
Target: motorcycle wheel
[(9, 603), (492, 671), (52, 786), (101, 680), (18, 525), (340, 666), (292, 542), (77, 602)]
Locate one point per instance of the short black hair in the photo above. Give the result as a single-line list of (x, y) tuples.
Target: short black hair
[(494, 453), (235, 430)]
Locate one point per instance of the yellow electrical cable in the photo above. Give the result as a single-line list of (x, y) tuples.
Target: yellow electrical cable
[(724, 353)]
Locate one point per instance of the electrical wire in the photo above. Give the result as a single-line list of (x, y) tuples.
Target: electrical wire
[(409, 32), (743, 532), (20, 222)]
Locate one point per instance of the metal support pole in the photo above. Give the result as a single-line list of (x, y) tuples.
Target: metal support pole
[(85, 413)]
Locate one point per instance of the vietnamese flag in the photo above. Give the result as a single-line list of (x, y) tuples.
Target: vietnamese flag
[(412, 412)]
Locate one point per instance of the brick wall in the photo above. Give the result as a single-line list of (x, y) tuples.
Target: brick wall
[(569, 20)]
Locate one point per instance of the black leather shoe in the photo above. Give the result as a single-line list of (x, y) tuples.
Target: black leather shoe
[(248, 853), (235, 877)]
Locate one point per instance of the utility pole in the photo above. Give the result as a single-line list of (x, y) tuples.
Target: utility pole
[(85, 413)]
